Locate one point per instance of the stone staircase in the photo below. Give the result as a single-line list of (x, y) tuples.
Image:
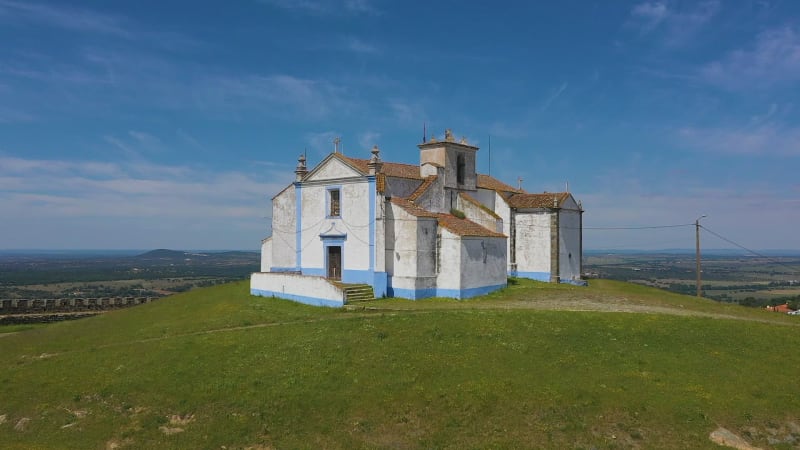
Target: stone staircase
[(357, 293)]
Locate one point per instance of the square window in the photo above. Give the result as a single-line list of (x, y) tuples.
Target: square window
[(333, 202)]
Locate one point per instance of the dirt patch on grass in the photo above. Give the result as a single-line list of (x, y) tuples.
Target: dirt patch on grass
[(726, 438), (170, 430), (22, 424), (176, 422)]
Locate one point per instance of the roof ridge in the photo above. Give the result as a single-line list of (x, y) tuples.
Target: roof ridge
[(422, 188)]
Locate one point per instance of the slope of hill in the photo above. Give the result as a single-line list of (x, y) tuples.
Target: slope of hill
[(216, 367)]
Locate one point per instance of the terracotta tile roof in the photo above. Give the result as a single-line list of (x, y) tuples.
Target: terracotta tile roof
[(413, 209), (465, 227), (480, 205), (460, 227), (358, 164), (543, 200), (487, 182), (422, 188), (389, 169), (784, 308)]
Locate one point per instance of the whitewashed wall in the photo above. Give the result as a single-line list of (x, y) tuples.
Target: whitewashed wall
[(483, 262), (533, 241), (353, 221), (283, 229), (266, 254), (300, 288), (410, 249), (480, 216), (502, 209), (449, 276), (570, 241)]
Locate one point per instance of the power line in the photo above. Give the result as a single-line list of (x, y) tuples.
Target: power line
[(652, 227), (794, 269)]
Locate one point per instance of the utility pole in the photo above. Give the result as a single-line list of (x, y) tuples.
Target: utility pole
[(697, 254)]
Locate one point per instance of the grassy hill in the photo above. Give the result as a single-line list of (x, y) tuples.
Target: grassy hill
[(534, 366)]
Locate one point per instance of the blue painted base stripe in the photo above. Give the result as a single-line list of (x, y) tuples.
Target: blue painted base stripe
[(539, 276), (418, 294), (299, 298)]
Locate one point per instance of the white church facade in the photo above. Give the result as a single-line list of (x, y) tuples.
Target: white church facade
[(437, 229)]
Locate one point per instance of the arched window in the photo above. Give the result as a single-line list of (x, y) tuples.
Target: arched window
[(460, 169)]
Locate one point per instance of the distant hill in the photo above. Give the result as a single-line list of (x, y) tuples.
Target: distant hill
[(163, 254)]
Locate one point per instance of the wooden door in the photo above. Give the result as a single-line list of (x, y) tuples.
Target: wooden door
[(335, 262)]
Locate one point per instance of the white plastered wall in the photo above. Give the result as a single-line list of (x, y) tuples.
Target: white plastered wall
[(353, 222), (569, 241), (283, 229), (483, 261), (266, 254), (532, 241)]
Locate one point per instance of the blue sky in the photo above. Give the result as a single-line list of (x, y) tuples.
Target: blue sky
[(172, 124)]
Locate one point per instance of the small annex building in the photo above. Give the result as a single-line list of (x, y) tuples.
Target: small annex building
[(413, 231)]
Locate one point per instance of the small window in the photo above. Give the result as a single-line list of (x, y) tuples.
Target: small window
[(460, 169), (334, 202)]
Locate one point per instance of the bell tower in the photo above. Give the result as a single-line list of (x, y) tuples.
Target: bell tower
[(456, 157)]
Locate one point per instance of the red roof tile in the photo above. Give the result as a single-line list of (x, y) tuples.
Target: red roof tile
[(389, 169), (488, 182), (544, 200), (465, 227), (422, 188), (413, 209), (460, 227)]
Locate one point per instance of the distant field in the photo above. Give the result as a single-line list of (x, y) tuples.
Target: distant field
[(758, 280), (150, 274), (536, 365)]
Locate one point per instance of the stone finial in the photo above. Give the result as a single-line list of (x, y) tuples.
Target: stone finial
[(432, 140), (448, 135), (463, 140), (301, 169), (375, 164)]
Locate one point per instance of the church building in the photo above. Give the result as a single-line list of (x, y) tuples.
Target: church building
[(353, 228)]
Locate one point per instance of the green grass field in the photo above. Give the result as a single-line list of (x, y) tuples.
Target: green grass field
[(534, 366)]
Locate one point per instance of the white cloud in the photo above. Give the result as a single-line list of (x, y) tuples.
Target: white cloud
[(321, 142), (737, 212), (773, 60), (67, 18), (650, 13), (276, 94), (326, 7), (118, 198), (675, 26), (357, 45), (368, 139), (761, 139)]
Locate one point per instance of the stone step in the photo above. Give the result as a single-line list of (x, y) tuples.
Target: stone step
[(358, 293)]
